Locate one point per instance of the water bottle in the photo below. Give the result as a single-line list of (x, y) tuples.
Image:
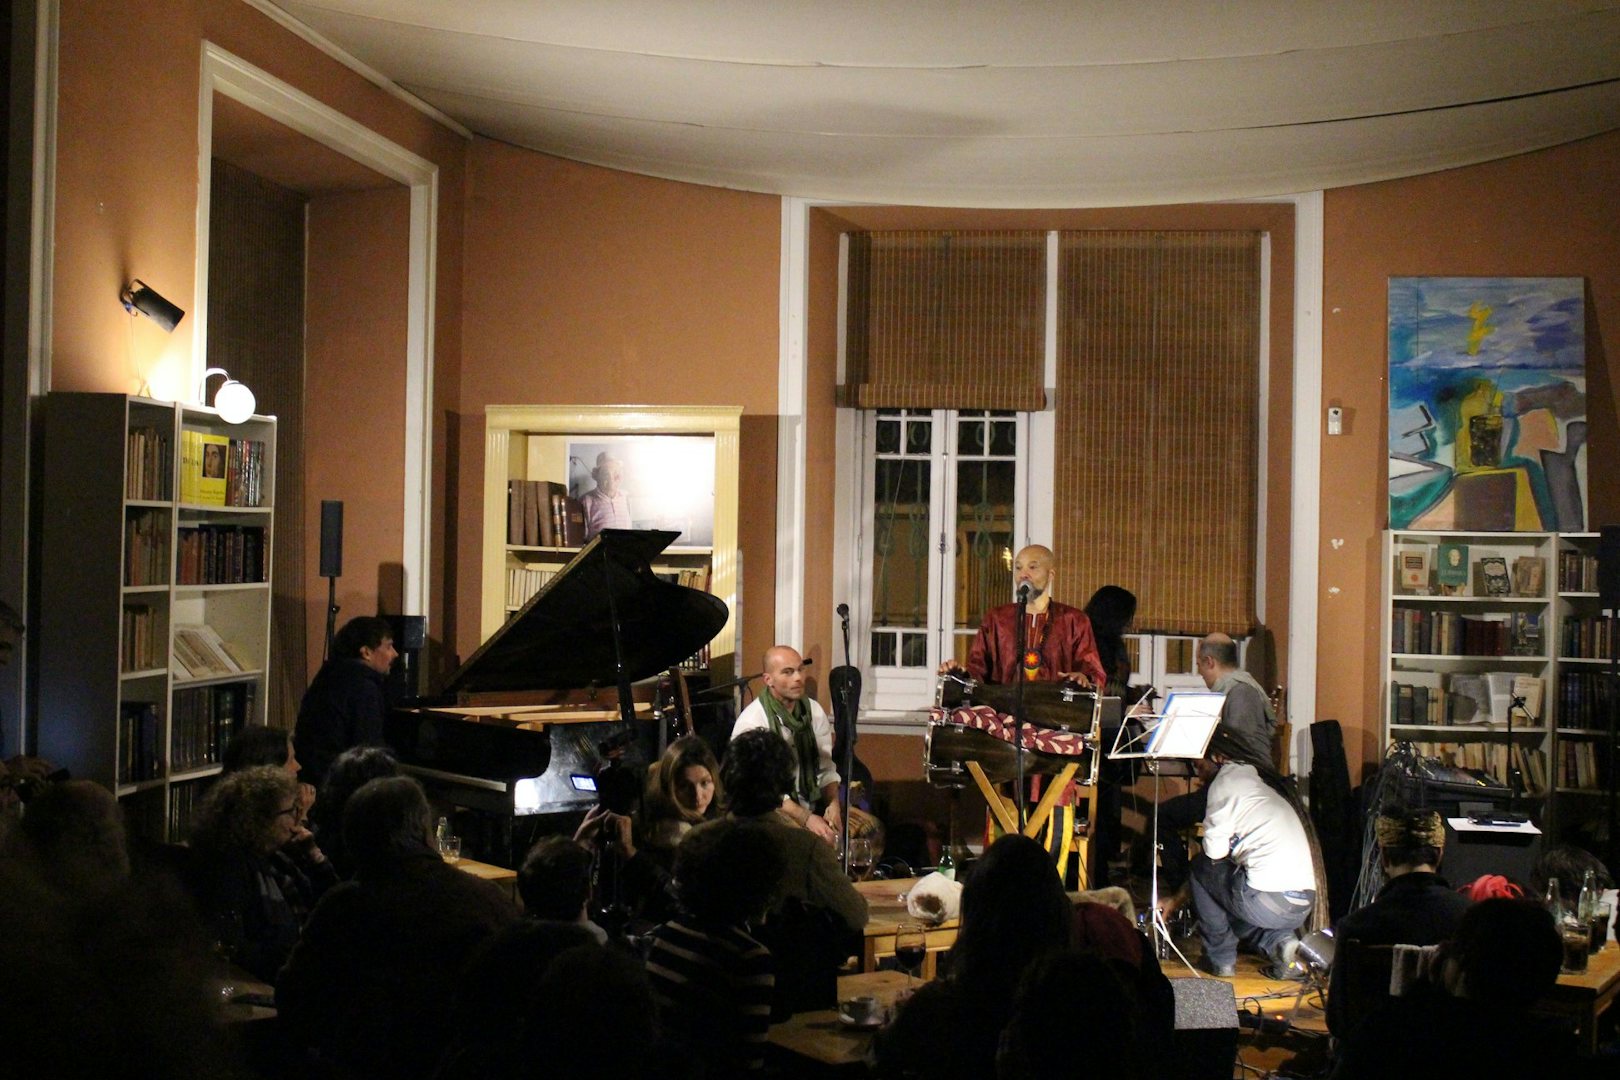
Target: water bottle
[(1554, 901), (444, 831), (947, 864), (1586, 906)]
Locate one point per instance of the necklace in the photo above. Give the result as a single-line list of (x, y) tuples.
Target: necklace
[(1032, 655)]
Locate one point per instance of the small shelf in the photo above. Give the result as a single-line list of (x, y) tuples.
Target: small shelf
[(1407, 598), (1583, 731), (140, 786), (1583, 659), (238, 586), (1470, 729), (216, 680), (1580, 595), (212, 508), (1599, 792), (1509, 658), (158, 504), (196, 774), (136, 590), (148, 673)]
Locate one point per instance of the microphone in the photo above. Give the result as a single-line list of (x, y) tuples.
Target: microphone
[(1023, 593), (843, 611)]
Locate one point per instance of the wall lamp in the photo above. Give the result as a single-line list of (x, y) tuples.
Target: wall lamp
[(234, 400), (141, 297)]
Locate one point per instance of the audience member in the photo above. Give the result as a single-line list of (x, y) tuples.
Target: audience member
[(593, 1014), (554, 883), (73, 836), (1492, 887), (1476, 1019), (346, 702), (1112, 610), (683, 790), (712, 980), (1072, 1007), (818, 916), (1568, 864), (1415, 907), (1014, 912), (253, 901), (370, 983), (1103, 929), (349, 772), (257, 745)]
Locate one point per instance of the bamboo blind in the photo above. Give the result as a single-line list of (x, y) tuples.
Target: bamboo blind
[(946, 320), (1157, 417)]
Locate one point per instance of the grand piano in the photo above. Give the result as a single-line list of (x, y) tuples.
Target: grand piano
[(559, 689)]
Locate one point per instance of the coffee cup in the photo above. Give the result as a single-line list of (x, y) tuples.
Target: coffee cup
[(859, 1010)]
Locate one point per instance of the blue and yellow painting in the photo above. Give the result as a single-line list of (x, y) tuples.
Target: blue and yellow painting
[(1487, 404)]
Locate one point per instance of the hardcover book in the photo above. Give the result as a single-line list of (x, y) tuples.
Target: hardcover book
[(1493, 576), (1451, 569)]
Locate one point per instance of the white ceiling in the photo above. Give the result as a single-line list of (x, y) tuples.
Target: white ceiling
[(998, 102)]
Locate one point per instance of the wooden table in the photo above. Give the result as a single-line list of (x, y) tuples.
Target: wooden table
[(885, 911), (1585, 997), (822, 1038), (500, 875), (241, 1012)]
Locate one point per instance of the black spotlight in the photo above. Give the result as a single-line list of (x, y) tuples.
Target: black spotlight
[(141, 297)]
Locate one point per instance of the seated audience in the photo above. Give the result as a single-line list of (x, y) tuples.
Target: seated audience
[(683, 790), (1014, 912), (1103, 929), (1475, 1019), (818, 916), (568, 1032), (257, 745), (712, 980), (1492, 887), (1415, 907), (554, 883), (253, 901), (1072, 1007), (370, 984), (1568, 864), (348, 774), (73, 837)]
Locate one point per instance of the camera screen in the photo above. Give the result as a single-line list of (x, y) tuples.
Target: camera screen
[(583, 781)]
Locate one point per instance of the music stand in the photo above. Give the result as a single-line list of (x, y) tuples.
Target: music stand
[(1182, 733)]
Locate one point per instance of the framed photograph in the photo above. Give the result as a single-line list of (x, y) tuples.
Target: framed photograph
[(645, 482)]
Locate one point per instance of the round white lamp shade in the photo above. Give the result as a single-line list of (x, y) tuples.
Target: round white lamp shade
[(234, 400)]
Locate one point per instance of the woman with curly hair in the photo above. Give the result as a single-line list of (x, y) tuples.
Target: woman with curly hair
[(254, 906), (683, 790)]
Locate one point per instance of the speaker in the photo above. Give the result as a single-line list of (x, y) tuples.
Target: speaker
[(410, 632), (1206, 1036), (331, 538), (1609, 567)]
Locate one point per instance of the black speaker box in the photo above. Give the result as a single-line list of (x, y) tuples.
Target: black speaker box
[(1205, 1041), (410, 632), (331, 538), (1609, 567)]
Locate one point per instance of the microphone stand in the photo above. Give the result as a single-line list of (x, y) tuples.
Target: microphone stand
[(331, 613), (1022, 639), (844, 680)]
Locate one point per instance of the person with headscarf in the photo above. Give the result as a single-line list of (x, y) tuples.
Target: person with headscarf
[(1415, 907)]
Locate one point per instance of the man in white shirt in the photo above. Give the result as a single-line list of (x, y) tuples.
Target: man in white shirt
[(803, 725), (1255, 880)]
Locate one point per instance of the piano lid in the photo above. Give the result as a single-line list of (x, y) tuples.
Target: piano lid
[(562, 639)]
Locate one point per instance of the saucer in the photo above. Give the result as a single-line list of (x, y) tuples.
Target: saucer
[(861, 1025)]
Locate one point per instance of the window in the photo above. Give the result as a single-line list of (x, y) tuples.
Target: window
[(942, 516)]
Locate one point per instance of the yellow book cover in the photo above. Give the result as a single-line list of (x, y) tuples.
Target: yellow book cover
[(188, 466), (214, 452)]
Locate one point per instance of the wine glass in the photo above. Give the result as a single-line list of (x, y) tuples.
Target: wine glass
[(860, 857), (910, 948)]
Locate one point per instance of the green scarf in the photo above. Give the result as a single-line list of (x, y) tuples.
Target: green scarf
[(797, 722)]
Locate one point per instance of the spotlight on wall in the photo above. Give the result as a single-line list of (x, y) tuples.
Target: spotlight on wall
[(141, 297), (234, 400)]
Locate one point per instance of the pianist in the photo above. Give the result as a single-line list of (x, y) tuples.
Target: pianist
[(801, 723), (346, 704)]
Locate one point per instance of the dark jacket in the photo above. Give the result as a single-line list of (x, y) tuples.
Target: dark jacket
[(371, 982), (1414, 909), (252, 904), (344, 706)]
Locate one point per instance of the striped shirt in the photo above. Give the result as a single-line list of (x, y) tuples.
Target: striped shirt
[(713, 989)]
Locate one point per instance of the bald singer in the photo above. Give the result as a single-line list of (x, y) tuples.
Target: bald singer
[(1058, 641)]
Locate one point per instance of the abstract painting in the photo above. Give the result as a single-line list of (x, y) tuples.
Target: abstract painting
[(1487, 404)]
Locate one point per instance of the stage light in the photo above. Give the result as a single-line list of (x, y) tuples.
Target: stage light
[(141, 297)]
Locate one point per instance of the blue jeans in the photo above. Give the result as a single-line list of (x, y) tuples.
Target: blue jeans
[(1230, 910)]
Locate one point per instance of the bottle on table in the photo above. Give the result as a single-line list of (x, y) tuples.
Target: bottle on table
[(443, 831)]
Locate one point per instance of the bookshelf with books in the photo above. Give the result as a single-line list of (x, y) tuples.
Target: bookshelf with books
[(155, 595), (533, 527), (1584, 637), (1467, 642)]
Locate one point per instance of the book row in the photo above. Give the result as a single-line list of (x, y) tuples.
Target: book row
[(204, 719), (1493, 758), (200, 653), (539, 513), (146, 548), (216, 470), (523, 582), (1585, 699), (221, 554), (1577, 572), (1453, 574), (183, 799), (1581, 764), (139, 732), (1586, 638), (143, 644), (1446, 633), (1469, 699), (147, 474)]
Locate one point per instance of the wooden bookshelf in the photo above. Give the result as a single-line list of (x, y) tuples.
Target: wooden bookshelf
[(120, 519)]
